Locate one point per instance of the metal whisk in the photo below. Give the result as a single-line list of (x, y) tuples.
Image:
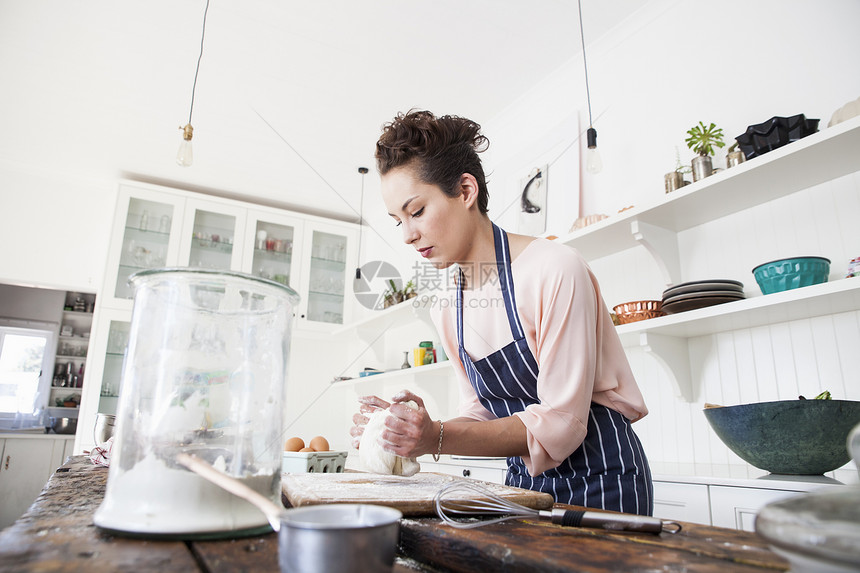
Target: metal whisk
[(463, 498)]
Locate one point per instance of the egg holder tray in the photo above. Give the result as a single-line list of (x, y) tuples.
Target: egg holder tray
[(313, 462)]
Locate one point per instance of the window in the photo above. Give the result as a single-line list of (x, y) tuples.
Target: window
[(25, 354)]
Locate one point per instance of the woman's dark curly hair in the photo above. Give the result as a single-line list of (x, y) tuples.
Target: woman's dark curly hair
[(440, 149)]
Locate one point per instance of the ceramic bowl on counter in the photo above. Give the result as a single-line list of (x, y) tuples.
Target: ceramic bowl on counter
[(798, 437), (637, 310), (787, 274)]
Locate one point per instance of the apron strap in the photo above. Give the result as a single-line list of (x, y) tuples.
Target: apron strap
[(506, 280)]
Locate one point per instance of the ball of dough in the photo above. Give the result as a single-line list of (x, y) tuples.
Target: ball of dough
[(374, 458)]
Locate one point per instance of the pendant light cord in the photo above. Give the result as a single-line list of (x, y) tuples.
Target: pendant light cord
[(197, 71), (363, 171), (584, 63)]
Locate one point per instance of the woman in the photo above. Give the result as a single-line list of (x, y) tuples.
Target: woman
[(542, 374)]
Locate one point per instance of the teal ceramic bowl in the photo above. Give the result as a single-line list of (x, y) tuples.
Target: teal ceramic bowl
[(787, 274), (800, 437)]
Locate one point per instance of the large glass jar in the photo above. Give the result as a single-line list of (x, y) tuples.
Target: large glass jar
[(205, 374)]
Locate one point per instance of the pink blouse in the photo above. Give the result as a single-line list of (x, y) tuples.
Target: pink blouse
[(571, 335)]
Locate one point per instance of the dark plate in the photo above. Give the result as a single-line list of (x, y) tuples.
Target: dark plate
[(704, 294), (774, 133), (694, 303), (708, 285)]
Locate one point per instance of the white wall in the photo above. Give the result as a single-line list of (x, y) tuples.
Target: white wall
[(54, 229), (659, 72), (656, 75)]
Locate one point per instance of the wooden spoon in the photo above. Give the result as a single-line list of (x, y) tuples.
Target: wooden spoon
[(272, 512)]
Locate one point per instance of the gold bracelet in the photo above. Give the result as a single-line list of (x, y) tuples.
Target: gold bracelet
[(439, 451)]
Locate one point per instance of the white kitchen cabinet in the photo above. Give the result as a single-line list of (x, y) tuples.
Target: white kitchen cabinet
[(157, 226), (275, 248), (326, 275), (736, 507), (492, 470), (104, 371), (145, 235), (682, 502), (26, 464)]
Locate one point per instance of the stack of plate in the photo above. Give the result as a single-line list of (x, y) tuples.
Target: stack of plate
[(699, 294)]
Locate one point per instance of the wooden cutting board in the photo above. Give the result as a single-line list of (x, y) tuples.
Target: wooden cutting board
[(411, 495)]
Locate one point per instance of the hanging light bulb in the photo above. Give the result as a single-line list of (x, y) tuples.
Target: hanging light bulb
[(593, 162), (185, 155)]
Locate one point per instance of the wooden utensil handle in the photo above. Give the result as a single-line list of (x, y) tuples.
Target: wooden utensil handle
[(273, 512), (615, 521)]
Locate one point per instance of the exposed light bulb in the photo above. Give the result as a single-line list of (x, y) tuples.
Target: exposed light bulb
[(185, 155), (593, 162)]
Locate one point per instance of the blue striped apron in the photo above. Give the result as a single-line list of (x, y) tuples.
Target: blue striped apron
[(609, 470)]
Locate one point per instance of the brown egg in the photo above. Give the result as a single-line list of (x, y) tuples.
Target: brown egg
[(319, 444), (294, 445), (308, 449)]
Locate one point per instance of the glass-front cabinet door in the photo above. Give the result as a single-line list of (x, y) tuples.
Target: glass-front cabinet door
[(103, 373), (276, 248), (145, 241), (145, 237), (117, 344), (328, 287), (210, 235)]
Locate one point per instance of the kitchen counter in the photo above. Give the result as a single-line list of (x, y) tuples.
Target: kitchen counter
[(34, 434), (57, 534)]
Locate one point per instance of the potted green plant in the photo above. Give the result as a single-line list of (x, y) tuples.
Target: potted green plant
[(675, 179), (392, 294), (702, 140), (409, 290)]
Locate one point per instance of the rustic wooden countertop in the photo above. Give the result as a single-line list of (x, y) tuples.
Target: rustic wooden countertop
[(57, 535)]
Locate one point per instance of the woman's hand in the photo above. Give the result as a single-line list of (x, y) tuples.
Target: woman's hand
[(369, 404), (410, 433)]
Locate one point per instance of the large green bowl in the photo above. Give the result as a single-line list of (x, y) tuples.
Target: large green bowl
[(805, 437)]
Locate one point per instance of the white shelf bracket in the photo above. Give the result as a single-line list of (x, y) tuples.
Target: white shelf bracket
[(421, 308), (662, 244), (672, 353)]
